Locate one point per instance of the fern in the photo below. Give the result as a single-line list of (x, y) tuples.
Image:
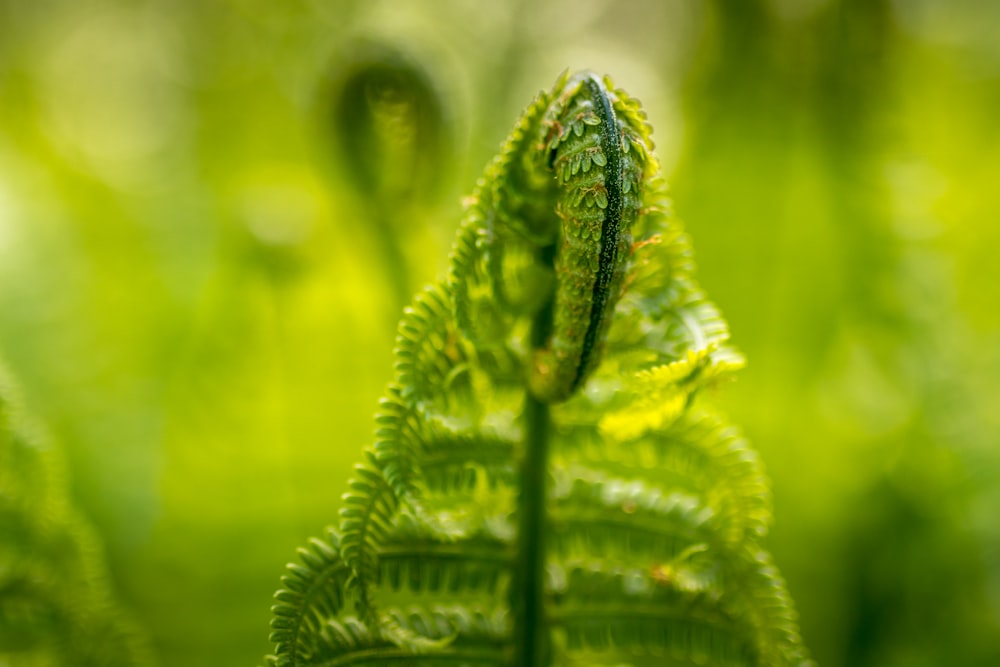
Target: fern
[(56, 606), (547, 485)]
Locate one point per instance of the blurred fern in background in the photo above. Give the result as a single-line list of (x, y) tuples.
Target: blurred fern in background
[(56, 603)]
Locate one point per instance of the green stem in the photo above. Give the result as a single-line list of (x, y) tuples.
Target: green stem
[(530, 624), (530, 627), (394, 263)]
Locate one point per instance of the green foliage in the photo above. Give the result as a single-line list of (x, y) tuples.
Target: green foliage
[(195, 294), (56, 606), (540, 350)]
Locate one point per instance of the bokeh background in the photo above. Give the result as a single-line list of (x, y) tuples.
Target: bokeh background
[(211, 214)]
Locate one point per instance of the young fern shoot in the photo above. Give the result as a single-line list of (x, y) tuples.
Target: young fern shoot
[(546, 486)]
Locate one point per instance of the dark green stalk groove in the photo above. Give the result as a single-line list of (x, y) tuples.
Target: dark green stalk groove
[(611, 146)]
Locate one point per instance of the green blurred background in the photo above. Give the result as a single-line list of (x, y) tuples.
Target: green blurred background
[(211, 214)]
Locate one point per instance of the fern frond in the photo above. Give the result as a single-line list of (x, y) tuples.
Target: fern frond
[(624, 520), (775, 615), (546, 485), (56, 605), (632, 612), (455, 635), (432, 402), (732, 608), (460, 464), (312, 594), (474, 566), (424, 423), (366, 517), (460, 636), (699, 454), (659, 395)]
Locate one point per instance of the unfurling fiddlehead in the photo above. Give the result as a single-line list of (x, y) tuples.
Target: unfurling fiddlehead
[(389, 125), (546, 485)]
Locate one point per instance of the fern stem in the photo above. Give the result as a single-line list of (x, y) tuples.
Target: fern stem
[(528, 590), (394, 262)]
